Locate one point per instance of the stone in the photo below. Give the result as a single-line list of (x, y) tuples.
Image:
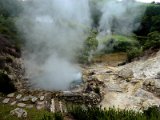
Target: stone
[(52, 107), (144, 94), (13, 103), (40, 105), (6, 100), (18, 96), (41, 98), (19, 112), (11, 95), (126, 73), (21, 105), (114, 87), (34, 99), (26, 98)]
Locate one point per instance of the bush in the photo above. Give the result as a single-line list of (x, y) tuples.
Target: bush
[(118, 43), (153, 40), (90, 45), (55, 116), (96, 113), (133, 53)]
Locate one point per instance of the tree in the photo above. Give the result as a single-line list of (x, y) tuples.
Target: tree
[(10, 8)]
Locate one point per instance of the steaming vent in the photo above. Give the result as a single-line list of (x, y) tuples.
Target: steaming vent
[(77, 81)]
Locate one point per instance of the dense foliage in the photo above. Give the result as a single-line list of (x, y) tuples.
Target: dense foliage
[(32, 114), (90, 45), (9, 11), (150, 21), (149, 30), (95, 113)]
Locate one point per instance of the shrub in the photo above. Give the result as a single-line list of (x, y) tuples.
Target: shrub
[(133, 53), (96, 113), (119, 43), (90, 45), (153, 40)]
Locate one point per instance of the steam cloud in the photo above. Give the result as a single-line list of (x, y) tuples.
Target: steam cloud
[(54, 31), (120, 17)]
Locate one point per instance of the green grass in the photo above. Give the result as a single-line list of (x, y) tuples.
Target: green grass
[(95, 113), (33, 114), (117, 38)]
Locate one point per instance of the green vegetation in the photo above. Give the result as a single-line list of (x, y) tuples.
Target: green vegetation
[(84, 113), (90, 45), (9, 11), (153, 40), (33, 114), (95, 113), (149, 30), (150, 21), (119, 43)]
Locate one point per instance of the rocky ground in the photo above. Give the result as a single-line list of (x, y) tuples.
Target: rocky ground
[(132, 86)]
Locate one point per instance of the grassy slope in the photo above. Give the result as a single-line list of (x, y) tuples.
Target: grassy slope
[(33, 114)]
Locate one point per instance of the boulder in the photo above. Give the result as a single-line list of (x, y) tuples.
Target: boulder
[(19, 112), (34, 99), (125, 73), (152, 85), (14, 102), (41, 98), (11, 95), (6, 100), (26, 98), (21, 105), (18, 96)]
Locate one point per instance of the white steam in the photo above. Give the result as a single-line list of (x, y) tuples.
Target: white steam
[(120, 17), (54, 30)]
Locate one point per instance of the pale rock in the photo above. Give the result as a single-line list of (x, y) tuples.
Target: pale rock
[(52, 107), (13, 103), (21, 105), (144, 94), (114, 87), (11, 95), (126, 73), (19, 112), (6, 100), (18, 96), (40, 105), (34, 99), (41, 98), (26, 98)]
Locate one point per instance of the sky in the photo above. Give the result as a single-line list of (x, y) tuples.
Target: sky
[(149, 1)]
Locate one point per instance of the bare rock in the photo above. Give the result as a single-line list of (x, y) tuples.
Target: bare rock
[(34, 99), (11, 95), (114, 87), (41, 98), (13, 103), (26, 98), (40, 105), (125, 73), (18, 96), (21, 105), (6, 100), (19, 112), (144, 94), (152, 85)]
